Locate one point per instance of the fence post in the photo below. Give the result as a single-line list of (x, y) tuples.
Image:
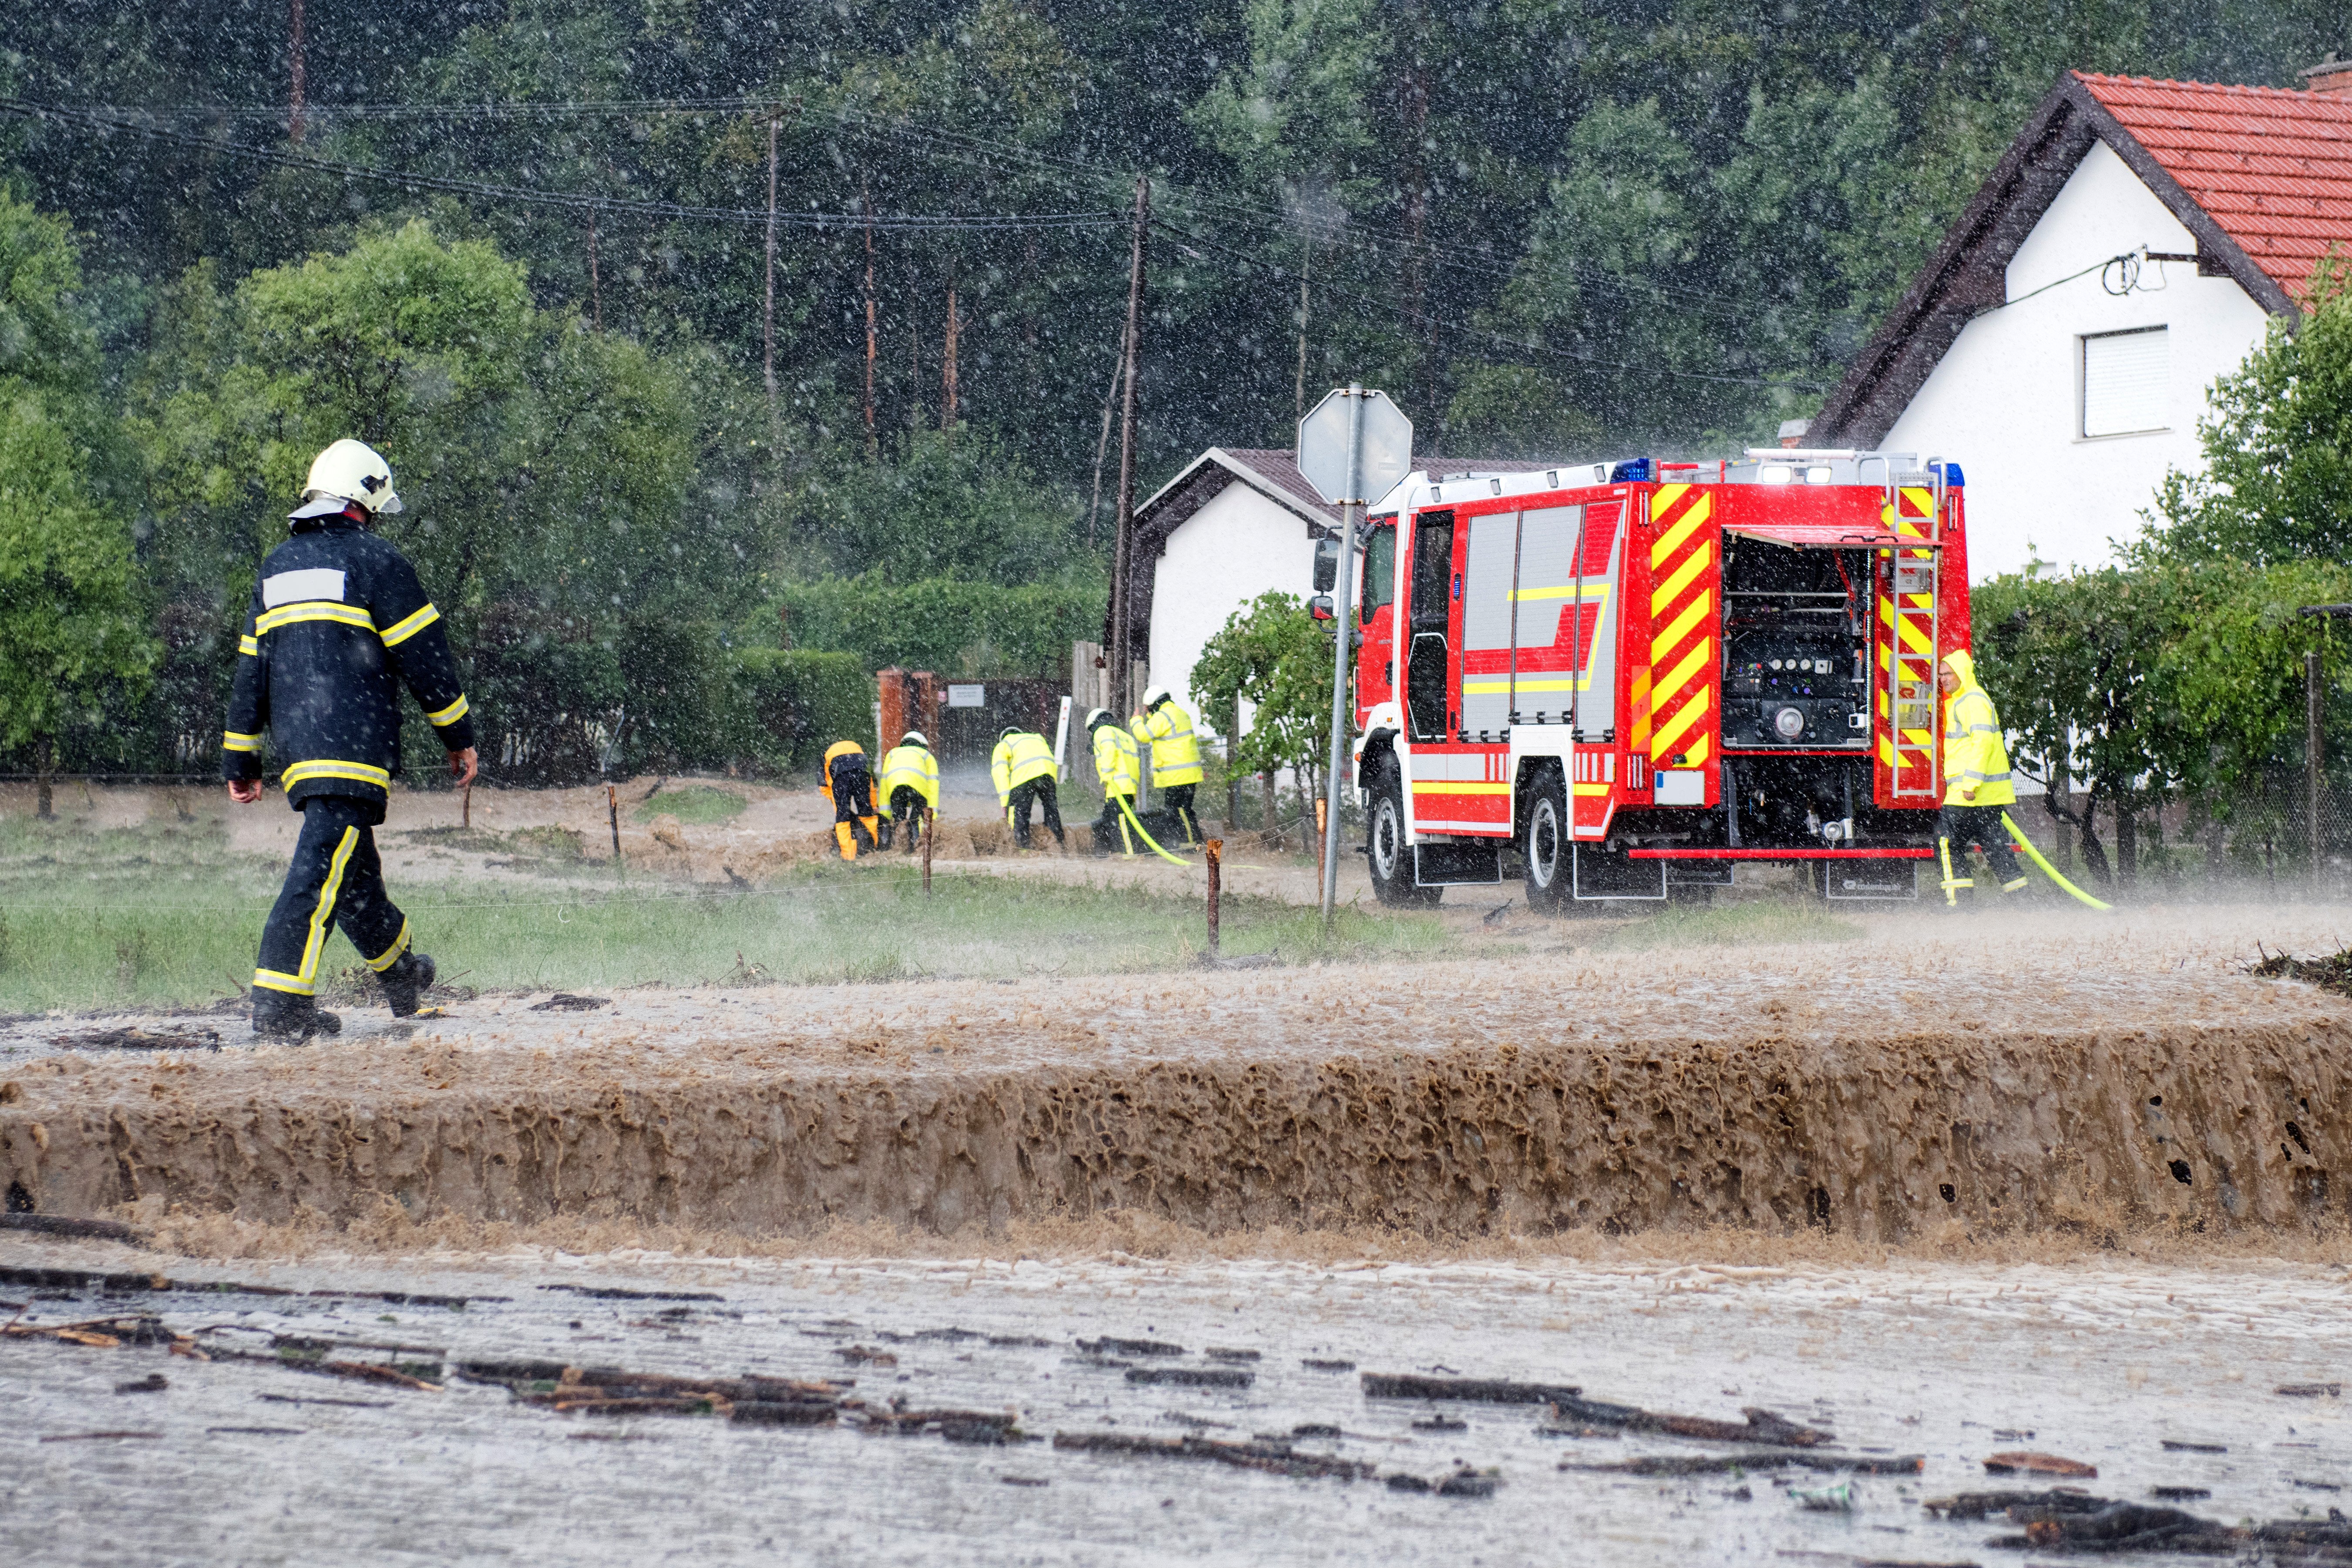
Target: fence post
[(1215, 849), (930, 828), (612, 814)]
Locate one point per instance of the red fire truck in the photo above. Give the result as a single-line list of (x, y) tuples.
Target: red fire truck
[(1627, 678)]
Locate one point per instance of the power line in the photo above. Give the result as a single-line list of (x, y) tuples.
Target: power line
[(572, 200)]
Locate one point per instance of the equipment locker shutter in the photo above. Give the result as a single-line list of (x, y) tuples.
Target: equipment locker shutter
[(1486, 623), (1544, 661)]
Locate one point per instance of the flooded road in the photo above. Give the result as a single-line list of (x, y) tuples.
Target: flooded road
[(242, 1460)]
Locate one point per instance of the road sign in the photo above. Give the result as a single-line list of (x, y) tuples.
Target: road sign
[(1383, 445)]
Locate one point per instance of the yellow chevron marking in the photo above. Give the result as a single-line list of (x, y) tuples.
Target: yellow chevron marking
[(1684, 673), (1691, 713), (1666, 593), (1675, 538), (1694, 754), (1666, 641), (1915, 636), (1886, 750), (1663, 499), (1924, 499)]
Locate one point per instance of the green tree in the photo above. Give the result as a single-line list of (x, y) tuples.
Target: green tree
[(2276, 484), (1272, 653), (71, 636)]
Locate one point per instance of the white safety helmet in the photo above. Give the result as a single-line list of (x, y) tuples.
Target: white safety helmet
[(347, 472), (914, 738), (1097, 716), (1154, 696)]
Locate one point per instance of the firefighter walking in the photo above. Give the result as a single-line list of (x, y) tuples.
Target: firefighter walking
[(1118, 765), (849, 786), (1176, 772), (338, 624), (911, 786), (1976, 782), (1022, 769)]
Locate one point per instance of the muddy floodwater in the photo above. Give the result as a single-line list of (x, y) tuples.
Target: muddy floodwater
[(2160, 1377)]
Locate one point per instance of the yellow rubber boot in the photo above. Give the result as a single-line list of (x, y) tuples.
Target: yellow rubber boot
[(846, 834), (1952, 885)]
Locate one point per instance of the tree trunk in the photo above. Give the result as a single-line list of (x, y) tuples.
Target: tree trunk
[(2094, 854), (1270, 822), (2215, 849), (45, 767)]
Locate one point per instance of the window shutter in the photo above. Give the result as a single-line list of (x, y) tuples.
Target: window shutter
[(2127, 380)]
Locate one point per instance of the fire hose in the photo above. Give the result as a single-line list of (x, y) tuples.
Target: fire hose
[(1129, 812), (1952, 883)]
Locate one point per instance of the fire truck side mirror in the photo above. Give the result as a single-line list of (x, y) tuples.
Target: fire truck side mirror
[(1327, 567), (1319, 607)]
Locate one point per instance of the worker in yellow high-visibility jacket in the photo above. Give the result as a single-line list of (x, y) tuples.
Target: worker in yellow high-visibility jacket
[(1022, 768), (846, 782), (1167, 728), (1976, 780), (911, 786), (1120, 767)]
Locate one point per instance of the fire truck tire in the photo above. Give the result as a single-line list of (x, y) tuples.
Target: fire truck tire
[(1386, 850), (1545, 846)]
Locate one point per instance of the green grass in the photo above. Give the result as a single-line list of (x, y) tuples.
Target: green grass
[(1731, 925), (166, 915), (693, 805)]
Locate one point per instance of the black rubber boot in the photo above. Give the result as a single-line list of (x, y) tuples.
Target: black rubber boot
[(404, 983), (282, 1015)]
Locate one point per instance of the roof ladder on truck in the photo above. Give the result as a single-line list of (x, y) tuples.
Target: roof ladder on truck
[(1909, 610)]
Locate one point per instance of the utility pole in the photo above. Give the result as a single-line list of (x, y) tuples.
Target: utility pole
[(294, 72), (595, 289), (948, 371), (873, 329), (768, 317), (1123, 549), (1306, 259)]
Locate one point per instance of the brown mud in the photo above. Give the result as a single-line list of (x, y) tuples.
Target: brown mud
[(2043, 1075)]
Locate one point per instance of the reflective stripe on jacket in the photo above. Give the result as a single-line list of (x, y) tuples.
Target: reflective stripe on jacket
[(1117, 764), (1019, 757), (338, 624), (1973, 751), (1175, 750), (911, 767)]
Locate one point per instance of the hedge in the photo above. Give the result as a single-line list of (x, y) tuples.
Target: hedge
[(946, 624)]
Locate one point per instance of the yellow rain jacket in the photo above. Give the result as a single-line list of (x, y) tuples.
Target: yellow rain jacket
[(1175, 750), (1117, 760), (911, 767), (1019, 757), (1976, 763)]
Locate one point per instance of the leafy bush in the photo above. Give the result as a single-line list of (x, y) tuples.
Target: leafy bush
[(947, 625)]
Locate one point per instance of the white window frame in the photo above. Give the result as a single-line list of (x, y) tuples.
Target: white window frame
[(2083, 381)]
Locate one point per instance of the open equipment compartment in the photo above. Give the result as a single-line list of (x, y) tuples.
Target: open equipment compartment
[(1796, 646)]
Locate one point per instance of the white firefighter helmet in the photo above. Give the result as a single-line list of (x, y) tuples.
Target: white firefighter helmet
[(914, 738), (348, 471), (1154, 696), (1096, 716)]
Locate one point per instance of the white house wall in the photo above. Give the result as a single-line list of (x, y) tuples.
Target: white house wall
[(2005, 402), (1237, 547)]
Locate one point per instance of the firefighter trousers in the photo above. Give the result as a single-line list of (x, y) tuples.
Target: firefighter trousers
[(906, 805), (1178, 804), (335, 880), (1016, 809), (1982, 826), (855, 826), (1110, 829)]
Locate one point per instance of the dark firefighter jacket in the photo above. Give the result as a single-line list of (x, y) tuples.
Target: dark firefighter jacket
[(338, 623)]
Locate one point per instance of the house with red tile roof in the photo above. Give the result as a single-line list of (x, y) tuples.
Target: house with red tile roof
[(2133, 245)]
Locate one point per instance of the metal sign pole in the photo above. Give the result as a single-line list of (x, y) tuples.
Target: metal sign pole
[(1351, 504)]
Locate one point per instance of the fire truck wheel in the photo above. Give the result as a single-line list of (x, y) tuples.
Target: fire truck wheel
[(1545, 847), (1385, 847)]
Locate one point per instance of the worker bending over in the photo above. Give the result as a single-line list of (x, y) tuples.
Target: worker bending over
[(1118, 765), (1976, 780), (338, 624), (1167, 728), (911, 786), (850, 788), (1023, 767)]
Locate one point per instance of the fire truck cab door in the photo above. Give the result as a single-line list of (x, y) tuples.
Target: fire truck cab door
[(1426, 672)]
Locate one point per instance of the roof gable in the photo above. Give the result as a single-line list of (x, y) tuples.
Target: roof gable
[(2276, 165)]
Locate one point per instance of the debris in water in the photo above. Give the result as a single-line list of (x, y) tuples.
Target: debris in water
[(1214, 1354), (153, 1382), (1312, 1364), (2182, 1446), (2310, 1486), (1192, 1376), (1315, 1429), (1468, 1483), (199, 1040), (258, 1431), (1024, 1481), (2027, 1463), (565, 1002), (2180, 1494), (1442, 1424), (615, 1293), (1109, 1346), (59, 1224), (1478, 1389), (94, 1437), (865, 1355), (2311, 1390), (353, 1403), (1275, 1458), (1401, 1482), (2331, 972), (955, 1426), (1838, 1498), (1976, 1505), (2012, 1434), (1758, 1460)]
